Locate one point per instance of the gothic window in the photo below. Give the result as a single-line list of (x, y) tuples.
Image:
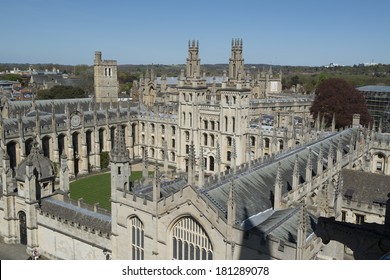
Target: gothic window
[(173, 143), (173, 130), (152, 127), (234, 100), (152, 140), (211, 163), (173, 158), (205, 124), (187, 135), (280, 144), (253, 141), (226, 123), (152, 153), (187, 149), (205, 139), (184, 118), (227, 99), (266, 140), (229, 156), (190, 241), (143, 127), (137, 239), (343, 216), (211, 140), (212, 125), (143, 139), (359, 219), (190, 119), (229, 141), (234, 124)]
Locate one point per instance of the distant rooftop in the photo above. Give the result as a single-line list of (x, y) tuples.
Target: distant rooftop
[(374, 88)]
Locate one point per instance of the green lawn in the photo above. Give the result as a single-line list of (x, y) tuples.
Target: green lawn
[(96, 188)]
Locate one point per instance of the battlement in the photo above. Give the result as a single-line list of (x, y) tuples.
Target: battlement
[(78, 214)]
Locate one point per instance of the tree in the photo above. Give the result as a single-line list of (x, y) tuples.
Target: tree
[(61, 92), (338, 97)]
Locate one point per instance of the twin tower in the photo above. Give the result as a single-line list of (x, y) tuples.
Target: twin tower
[(106, 71)]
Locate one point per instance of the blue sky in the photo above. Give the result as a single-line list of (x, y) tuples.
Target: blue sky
[(300, 32)]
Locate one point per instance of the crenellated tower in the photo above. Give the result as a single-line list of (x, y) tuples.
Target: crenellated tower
[(236, 62), (193, 60)]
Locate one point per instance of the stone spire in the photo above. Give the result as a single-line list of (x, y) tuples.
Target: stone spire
[(191, 164), (309, 167), (234, 155), (330, 156), (301, 232), (295, 180), (231, 206), (119, 152), (334, 122), (156, 183), (218, 160), (278, 187), (201, 168), (319, 160), (145, 172)]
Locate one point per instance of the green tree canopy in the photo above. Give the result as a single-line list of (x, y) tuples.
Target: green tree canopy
[(12, 77), (61, 92), (338, 97)]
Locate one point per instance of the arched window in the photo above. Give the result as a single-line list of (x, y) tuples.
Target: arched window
[(226, 123), (229, 141), (280, 144), (212, 125), (152, 153), (187, 135), (190, 241), (229, 156), (253, 141), (137, 239), (211, 140), (266, 140), (211, 161), (205, 139)]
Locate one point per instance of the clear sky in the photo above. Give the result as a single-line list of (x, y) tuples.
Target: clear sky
[(285, 32)]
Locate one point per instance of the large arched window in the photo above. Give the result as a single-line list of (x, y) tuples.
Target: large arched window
[(190, 241), (137, 239)]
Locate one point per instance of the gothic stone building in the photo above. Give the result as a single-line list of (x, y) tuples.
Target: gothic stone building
[(236, 176)]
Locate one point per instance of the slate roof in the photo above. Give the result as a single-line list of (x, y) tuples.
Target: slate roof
[(365, 187), (254, 188), (283, 225)]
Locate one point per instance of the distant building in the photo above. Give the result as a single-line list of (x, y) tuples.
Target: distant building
[(378, 104)]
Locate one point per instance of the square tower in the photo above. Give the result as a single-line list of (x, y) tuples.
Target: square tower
[(105, 79)]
